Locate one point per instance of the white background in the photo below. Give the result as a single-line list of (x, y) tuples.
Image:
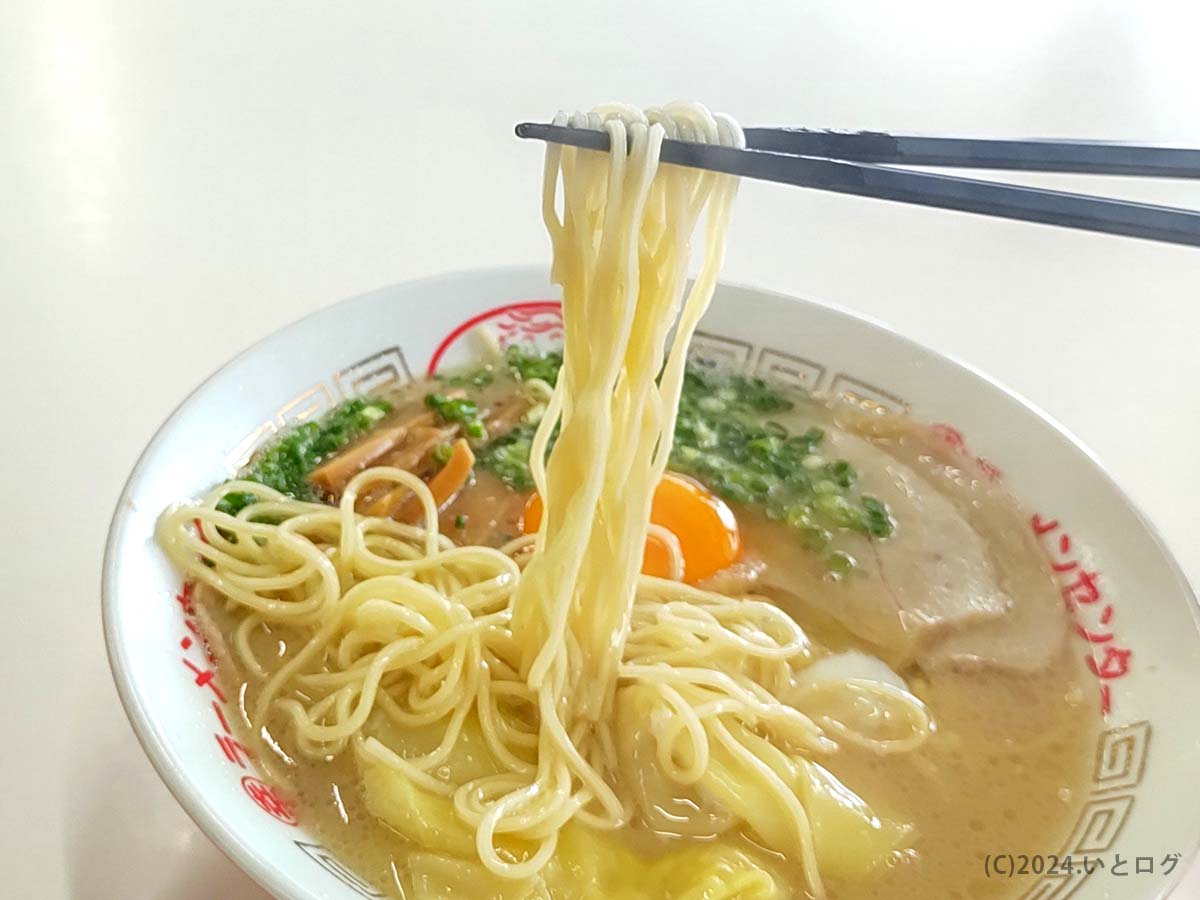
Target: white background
[(179, 179)]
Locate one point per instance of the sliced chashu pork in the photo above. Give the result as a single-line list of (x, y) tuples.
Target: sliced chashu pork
[(1033, 629), (962, 583), (934, 575)]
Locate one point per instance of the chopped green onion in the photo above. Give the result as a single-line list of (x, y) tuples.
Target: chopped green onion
[(840, 563), (480, 378), (724, 438), (458, 411), (814, 538), (837, 511), (799, 516), (842, 473), (285, 465), (878, 520), (528, 363)]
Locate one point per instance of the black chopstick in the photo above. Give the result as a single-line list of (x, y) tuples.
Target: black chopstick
[(1078, 211), (1031, 155)]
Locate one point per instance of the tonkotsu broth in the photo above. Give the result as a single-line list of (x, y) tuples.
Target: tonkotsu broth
[(607, 688), (1006, 770)]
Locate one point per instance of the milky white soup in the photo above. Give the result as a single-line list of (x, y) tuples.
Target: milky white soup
[(897, 558)]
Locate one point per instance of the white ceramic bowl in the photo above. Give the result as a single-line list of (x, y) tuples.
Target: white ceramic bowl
[(1145, 798)]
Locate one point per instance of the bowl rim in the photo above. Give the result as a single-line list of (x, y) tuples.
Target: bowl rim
[(154, 743)]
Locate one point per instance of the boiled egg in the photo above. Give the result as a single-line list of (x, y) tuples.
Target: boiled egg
[(702, 522)]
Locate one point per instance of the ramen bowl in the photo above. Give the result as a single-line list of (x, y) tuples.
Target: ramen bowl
[(1135, 615)]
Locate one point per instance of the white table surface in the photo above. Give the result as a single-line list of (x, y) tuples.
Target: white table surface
[(179, 179)]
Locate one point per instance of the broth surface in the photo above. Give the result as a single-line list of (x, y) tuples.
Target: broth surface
[(1006, 771)]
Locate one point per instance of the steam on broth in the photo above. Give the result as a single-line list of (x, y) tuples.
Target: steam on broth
[(605, 622)]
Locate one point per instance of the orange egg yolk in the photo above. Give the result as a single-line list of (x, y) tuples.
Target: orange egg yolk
[(703, 524)]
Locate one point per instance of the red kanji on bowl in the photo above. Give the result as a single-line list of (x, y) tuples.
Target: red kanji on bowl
[(269, 800)]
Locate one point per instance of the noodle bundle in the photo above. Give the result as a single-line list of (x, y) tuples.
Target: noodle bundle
[(602, 695)]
